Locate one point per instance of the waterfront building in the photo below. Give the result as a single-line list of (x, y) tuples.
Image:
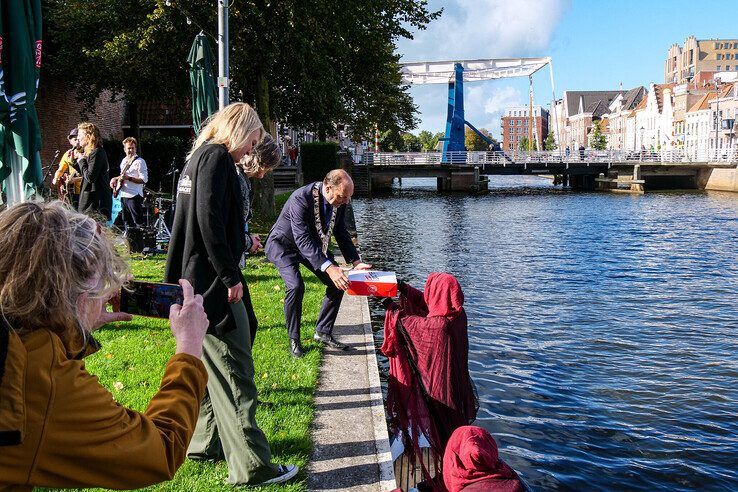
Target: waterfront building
[(576, 112), (709, 55), (618, 111), (723, 113), (651, 124), (515, 126), (702, 118)]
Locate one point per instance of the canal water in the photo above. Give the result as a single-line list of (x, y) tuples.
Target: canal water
[(602, 327)]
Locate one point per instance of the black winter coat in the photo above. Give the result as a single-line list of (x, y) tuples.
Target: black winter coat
[(207, 238), (95, 194)]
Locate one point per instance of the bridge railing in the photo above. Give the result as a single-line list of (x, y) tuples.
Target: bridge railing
[(497, 158)]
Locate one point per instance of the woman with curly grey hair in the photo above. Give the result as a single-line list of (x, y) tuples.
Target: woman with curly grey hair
[(265, 156), (59, 427)]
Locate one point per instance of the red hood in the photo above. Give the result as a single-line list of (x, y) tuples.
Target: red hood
[(443, 295), (471, 456)]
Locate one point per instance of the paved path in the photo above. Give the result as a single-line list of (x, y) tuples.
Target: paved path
[(349, 431)]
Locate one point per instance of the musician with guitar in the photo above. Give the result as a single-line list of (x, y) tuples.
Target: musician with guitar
[(67, 178), (130, 184)]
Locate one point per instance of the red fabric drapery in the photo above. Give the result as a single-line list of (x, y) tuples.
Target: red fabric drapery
[(471, 462), (429, 390)]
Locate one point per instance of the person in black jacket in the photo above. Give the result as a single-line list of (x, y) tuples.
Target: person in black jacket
[(95, 194), (206, 244), (265, 156), (300, 237)]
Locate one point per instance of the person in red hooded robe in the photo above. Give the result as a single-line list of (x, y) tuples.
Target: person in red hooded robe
[(429, 392), (471, 463)]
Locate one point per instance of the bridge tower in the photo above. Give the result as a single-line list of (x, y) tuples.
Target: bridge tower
[(454, 73)]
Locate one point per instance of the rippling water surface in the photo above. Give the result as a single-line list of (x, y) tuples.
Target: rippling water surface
[(602, 327)]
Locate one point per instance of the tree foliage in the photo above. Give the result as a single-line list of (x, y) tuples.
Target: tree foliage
[(524, 144), (550, 143), (428, 140), (309, 63), (597, 140), (472, 141)]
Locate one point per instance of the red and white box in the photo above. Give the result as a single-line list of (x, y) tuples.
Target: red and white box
[(372, 283)]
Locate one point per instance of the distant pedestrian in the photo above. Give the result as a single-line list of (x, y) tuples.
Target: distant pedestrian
[(92, 161), (293, 155), (581, 152)]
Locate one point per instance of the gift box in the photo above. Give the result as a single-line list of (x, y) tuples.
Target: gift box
[(372, 283)]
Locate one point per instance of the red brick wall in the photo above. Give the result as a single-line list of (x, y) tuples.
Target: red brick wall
[(58, 112)]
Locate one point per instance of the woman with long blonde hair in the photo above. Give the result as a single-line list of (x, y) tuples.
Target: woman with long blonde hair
[(206, 245), (95, 197), (59, 427)]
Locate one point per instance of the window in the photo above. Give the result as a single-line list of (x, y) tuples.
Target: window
[(727, 67), (512, 123), (717, 46), (719, 56), (728, 56), (718, 68)]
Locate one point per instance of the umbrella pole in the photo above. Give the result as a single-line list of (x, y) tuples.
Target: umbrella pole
[(14, 188)]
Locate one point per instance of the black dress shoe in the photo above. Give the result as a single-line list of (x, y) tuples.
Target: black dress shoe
[(330, 341), (295, 348)]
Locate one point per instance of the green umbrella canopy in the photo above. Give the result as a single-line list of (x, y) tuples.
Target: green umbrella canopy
[(204, 94), (20, 58)]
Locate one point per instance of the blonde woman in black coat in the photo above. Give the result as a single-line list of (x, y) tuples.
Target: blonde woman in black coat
[(95, 195)]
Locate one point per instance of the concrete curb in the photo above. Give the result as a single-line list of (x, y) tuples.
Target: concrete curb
[(349, 432)]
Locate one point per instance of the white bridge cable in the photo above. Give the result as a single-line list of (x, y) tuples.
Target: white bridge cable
[(439, 72)]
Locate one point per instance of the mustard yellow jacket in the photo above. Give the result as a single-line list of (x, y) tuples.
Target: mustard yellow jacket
[(60, 428)]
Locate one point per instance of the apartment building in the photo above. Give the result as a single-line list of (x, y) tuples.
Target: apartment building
[(516, 125), (617, 116), (699, 55)]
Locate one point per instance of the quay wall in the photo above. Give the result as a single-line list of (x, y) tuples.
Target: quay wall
[(719, 180)]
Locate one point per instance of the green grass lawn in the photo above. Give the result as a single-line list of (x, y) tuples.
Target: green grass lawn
[(131, 364)]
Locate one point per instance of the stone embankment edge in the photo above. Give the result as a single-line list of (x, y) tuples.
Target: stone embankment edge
[(381, 435)]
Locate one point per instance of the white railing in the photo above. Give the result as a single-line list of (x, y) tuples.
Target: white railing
[(705, 156)]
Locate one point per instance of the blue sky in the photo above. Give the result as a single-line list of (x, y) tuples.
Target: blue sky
[(595, 45)]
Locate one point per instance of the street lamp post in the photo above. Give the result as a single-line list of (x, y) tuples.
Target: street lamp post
[(223, 82)]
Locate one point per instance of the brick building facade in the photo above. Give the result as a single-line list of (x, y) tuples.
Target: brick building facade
[(515, 126), (59, 111)]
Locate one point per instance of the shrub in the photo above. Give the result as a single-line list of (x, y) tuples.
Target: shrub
[(317, 159)]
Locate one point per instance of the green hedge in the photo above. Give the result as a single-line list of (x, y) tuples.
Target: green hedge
[(317, 159)]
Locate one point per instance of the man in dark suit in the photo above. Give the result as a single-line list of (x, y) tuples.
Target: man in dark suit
[(300, 237)]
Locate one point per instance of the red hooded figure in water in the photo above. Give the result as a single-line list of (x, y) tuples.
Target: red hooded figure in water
[(430, 392)]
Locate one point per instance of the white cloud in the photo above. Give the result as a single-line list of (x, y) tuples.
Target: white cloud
[(486, 29), (481, 29)]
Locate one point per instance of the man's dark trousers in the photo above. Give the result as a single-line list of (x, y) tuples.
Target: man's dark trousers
[(133, 211), (295, 291)]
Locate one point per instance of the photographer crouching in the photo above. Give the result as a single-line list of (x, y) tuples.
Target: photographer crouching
[(58, 426)]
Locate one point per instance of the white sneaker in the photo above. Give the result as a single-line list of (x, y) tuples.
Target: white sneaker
[(285, 472)]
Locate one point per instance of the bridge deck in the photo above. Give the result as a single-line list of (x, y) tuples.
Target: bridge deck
[(584, 162)]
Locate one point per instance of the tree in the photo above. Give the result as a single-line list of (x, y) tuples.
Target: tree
[(550, 143), (311, 64), (472, 141), (391, 141), (427, 140), (524, 144), (597, 140), (412, 143)]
